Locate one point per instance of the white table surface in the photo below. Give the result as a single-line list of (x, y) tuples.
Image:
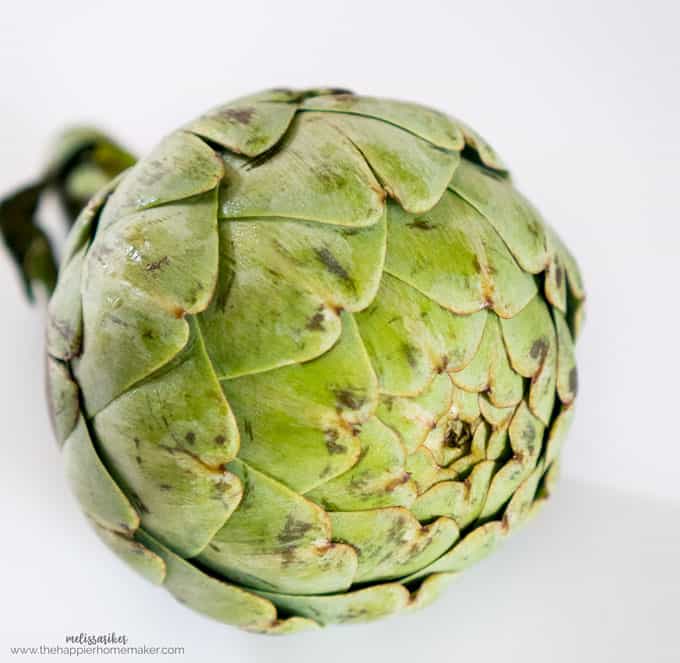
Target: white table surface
[(582, 100)]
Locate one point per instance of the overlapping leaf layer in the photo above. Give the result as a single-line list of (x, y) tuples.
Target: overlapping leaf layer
[(311, 358)]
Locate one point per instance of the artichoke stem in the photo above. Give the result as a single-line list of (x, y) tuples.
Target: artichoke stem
[(82, 161)]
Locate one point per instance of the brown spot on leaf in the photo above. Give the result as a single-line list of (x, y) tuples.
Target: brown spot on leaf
[(118, 321), (459, 435), (157, 264), (573, 381), (533, 228), (125, 527), (398, 481), (219, 491), (345, 96), (137, 503), (539, 348), (293, 530), (353, 614), (421, 224), (64, 328), (331, 263), (220, 440), (559, 274), (529, 434), (346, 398), (323, 548), (476, 264), (358, 484), (315, 323), (287, 556), (190, 437), (331, 437), (411, 353), (241, 115), (396, 530)]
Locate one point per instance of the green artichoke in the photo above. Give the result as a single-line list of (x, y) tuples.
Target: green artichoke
[(309, 359)]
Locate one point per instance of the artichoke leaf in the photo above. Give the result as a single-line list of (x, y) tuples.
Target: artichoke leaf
[(147, 563), (412, 418), (390, 542), (520, 506), (145, 337), (542, 391), (496, 416), (410, 338), (299, 423), (412, 171), (424, 470), (426, 123), (167, 441), (574, 278), (217, 599), (278, 540), (567, 376), (377, 480), (512, 216), (317, 175), (526, 435), (486, 154), (169, 252), (439, 254), (362, 605), (85, 225), (475, 546), (498, 443), (465, 405), (545, 489), (63, 401), (530, 340), (99, 495), (457, 446), (141, 277), (555, 273), (65, 313), (182, 166), (250, 125), (282, 285), (429, 590), (558, 433), (507, 286), (460, 500), (490, 369)]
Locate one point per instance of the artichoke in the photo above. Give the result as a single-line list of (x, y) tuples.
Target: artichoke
[(309, 359)]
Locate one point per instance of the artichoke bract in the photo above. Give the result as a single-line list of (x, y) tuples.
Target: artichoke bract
[(311, 358)]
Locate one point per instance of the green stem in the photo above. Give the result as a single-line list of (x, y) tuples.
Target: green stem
[(83, 160)]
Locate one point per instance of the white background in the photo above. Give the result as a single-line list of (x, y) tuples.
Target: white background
[(582, 100)]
